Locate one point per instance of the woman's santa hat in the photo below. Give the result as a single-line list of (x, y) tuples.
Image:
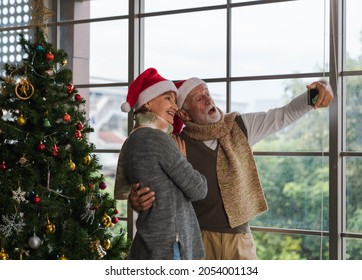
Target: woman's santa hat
[(147, 86)]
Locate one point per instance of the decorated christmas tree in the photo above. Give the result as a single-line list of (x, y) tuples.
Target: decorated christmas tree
[(53, 202)]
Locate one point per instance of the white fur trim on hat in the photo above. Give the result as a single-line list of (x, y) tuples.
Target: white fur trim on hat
[(154, 91), (186, 88), (125, 107)]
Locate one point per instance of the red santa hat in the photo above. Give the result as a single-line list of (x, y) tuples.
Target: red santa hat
[(185, 87), (147, 86)]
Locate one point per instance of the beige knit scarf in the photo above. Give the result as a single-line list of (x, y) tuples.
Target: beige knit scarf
[(237, 175)]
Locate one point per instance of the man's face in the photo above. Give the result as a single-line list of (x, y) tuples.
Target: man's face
[(201, 107)]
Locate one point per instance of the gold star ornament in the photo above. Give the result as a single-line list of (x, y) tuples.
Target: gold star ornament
[(40, 14)]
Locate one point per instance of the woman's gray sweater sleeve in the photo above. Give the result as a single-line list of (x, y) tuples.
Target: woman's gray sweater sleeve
[(191, 182)]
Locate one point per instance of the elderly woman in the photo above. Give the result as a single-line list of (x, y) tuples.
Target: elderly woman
[(150, 156)]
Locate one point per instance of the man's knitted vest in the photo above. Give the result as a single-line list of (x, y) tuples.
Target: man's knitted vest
[(237, 175)]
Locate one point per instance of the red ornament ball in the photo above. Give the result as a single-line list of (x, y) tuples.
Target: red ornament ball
[(50, 56), (3, 166), (115, 220), (79, 126), (78, 134), (66, 117), (70, 88), (78, 97), (103, 186), (36, 199), (41, 147)]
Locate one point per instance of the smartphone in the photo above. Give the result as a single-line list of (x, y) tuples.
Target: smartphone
[(312, 96)]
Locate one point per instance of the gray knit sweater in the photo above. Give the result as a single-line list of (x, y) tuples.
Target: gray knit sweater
[(153, 159)]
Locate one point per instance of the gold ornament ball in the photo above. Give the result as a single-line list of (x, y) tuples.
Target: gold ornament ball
[(63, 258), (87, 159), (106, 220), (71, 165), (106, 244), (21, 121), (50, 228), (3, 255), (81, 188)]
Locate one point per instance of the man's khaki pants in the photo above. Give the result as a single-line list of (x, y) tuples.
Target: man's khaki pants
[(229, 246)]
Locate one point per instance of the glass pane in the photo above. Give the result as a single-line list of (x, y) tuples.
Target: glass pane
[(109, 166), (109, 54), (353, 35), (310, 133), (279, 38), (98, 57), (242, 1), (353, 113), (108, 8), (187, 45), (353, 249), (218, 93), (107, 119), (164, 5), (77, 10), (296, 189), (272, 246), (353, 195)]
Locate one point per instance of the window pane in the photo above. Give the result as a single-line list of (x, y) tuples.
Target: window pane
[(164, 5), (353, 34), (99, 57), (77, 10), (285, 37), (218, 93), (109, 166), (353, 113), (242, 1), (109, 51), (271, 246), (353, 249), (187, 45), (108, 8), (296, 189), (310, 133), (106, 118), (353, 195)]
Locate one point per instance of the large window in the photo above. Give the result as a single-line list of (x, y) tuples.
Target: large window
[(255, 55)]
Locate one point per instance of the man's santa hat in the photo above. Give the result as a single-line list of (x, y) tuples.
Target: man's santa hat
[(184, 88), (147, 86)]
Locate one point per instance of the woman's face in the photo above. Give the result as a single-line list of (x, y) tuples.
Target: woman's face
[(164, 105)]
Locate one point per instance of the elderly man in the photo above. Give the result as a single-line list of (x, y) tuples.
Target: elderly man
[(218, 145)]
